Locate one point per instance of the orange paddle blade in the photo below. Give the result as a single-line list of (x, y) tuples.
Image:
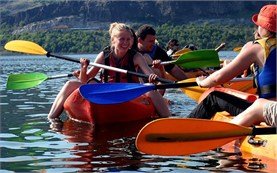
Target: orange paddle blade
[(180, 136)]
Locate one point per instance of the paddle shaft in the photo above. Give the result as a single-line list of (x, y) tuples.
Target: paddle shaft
[(108, 67), (175, 137), (191, 84), (264, 131), (60, 76)]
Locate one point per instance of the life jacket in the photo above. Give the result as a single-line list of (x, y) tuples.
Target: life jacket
[(265, 77), (125, 63), (153, 51)]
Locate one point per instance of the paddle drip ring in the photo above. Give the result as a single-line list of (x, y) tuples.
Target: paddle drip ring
[(48, 54)]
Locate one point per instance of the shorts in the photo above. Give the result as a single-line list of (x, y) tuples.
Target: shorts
[(270, 113)]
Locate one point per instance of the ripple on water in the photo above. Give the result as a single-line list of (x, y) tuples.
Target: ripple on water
[(25, 107)]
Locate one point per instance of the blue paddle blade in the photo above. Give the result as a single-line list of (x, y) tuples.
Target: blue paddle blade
[(114, 93)]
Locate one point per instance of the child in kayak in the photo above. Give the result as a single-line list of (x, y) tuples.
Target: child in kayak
[(120, 55), (261, 52)]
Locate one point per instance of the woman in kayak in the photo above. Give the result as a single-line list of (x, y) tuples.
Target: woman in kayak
[(119, 54), (261, 53)]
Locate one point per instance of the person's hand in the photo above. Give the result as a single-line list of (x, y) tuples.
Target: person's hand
[(84, 62), (157, 64), (200, 79), (152, 78), (76, 73)]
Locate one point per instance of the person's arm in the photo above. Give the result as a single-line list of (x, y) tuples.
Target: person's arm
[(83, 71), (91, 73), (248, 55), (178, 73), (139, 60)]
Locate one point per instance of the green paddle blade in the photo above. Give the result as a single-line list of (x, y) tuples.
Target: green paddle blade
[(25, 80), (199, 59)]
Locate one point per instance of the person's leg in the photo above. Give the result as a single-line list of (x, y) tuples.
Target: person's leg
[(159, 104), (217, 102), (260, 111), (57, 106), (251, 116)]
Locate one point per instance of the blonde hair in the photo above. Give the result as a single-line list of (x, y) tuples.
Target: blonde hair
[(116, 27)]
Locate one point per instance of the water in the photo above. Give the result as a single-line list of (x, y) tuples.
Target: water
[(30, 143)]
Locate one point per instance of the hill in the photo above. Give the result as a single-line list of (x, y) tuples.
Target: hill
[(81, 26), (34, 15)]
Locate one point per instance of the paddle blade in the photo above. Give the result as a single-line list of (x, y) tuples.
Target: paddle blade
[(113, 93), (180, 52), (180, 136), (199, 59), (23, 46), (193, 92), (237, 49), (25, 80)]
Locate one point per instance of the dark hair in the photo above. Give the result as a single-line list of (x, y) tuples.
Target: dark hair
[(135, 44), (174, 41), (191, 47), (145, 30)]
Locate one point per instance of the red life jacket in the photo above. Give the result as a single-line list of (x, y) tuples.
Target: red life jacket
[(125, 63)]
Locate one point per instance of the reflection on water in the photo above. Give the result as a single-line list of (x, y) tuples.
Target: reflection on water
[(30, 143)]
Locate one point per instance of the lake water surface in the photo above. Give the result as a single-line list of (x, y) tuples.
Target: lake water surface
[(30, 143)]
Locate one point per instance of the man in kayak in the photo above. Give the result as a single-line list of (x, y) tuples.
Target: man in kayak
[(120, 55), (146, 36), (172, 47), (261, 52)]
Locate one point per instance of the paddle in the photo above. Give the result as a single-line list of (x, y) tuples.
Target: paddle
[(33, 48), (184, 136), (198, 58), (112, 93), (237, 49), (29, 80), (180, 52)]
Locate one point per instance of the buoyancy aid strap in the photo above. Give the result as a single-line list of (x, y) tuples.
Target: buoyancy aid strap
[(268, 45), (267, 89)]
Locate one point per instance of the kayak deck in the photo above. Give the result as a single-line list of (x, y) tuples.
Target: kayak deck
[(266, 148)]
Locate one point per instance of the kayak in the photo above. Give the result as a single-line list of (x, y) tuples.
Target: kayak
[(79, 109), (260, 145), (195, 92)]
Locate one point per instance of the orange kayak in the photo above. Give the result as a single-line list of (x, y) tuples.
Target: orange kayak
[(80, 109), (195, 92)]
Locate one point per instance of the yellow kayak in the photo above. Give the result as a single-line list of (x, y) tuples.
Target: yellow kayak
[(266, 145)]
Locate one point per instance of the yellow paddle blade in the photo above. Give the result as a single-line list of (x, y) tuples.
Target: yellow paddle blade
[(237, 49), (180, 52), (193, 92), (184, 136), (23, 46)]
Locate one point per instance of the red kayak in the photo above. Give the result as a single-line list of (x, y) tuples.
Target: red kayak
[(80, 109)]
